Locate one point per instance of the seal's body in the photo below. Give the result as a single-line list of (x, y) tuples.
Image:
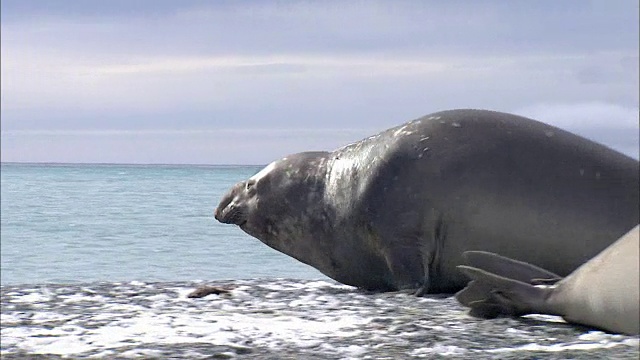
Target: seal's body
[(398, 209), (604, 292)]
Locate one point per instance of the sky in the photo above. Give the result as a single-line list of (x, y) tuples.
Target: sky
[(247, 82)]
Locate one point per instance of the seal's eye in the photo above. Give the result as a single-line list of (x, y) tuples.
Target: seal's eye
[(249, 185)]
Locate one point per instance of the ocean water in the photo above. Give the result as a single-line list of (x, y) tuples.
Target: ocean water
[(86, 223), (98, 261)]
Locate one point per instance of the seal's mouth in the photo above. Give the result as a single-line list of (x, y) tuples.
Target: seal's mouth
[(231, 214)]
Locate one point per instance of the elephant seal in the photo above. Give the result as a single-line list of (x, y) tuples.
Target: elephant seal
[(603, 293), (395, 211)]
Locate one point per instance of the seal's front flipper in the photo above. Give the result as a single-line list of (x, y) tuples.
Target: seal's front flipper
[(509, 268), (405, 267), (426, 282), (494, 294)]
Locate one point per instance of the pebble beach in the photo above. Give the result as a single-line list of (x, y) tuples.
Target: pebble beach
[(275, 319)]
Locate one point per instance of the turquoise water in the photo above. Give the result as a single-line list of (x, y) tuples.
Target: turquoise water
[(86, 223)]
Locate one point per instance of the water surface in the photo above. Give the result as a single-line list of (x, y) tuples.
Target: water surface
[(85, 223)]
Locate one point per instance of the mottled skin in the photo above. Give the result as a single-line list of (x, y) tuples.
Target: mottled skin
[(397, 210)]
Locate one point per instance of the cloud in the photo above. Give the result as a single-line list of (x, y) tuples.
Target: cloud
[(125, 70), (57, 83), (187, 132), (609, 124), (247, 28), (276, 64), (585, 115), (220, 146)]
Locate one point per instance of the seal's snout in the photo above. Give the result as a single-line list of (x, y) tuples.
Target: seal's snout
[(224, 211), (217, 214), (231, 214), (222, 215), (231, 210), (221, 210)]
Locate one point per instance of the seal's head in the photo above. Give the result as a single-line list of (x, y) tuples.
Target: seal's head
[(281, 204)]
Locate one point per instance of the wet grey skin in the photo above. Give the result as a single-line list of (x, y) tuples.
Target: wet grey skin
[(397, 210), (603, 293)]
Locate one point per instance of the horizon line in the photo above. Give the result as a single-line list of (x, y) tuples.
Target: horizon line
[(117, 163)]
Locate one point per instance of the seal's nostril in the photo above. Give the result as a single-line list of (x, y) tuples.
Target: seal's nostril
[(250, 183)]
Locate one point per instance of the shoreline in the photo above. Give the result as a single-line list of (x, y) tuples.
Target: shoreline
[(274, 318)]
